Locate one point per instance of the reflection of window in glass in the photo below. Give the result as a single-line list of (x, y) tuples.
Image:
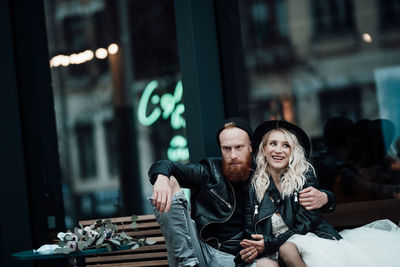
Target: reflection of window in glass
[(74, 33), (389, 14), (86, 150), (153, 43), (259, 15), (111, 147), (266, 34), (269, 21), (332, 17), (101, 23)]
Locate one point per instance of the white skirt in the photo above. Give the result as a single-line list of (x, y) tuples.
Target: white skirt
[(375, 244)]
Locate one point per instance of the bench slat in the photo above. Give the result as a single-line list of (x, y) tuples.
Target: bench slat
[(118, 220), (134, 264), (128, 257)]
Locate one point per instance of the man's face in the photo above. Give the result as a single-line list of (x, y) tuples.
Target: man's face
[(236, 154)]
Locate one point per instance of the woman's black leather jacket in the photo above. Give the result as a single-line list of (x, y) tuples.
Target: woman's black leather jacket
[(297, 219)]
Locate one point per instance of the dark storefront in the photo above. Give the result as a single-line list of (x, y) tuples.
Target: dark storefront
[(94, 91)]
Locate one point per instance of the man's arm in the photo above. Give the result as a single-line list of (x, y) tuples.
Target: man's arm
[(187, 175), (311, 198), (162, 175)]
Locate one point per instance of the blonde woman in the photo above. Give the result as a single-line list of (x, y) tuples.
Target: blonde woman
[(286, 231)]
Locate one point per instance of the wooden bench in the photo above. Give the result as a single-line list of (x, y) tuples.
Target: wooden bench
[(350, 215), (148, 255), (347, 215)]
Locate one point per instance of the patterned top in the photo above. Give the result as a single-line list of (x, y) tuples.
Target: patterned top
[(278, 225)]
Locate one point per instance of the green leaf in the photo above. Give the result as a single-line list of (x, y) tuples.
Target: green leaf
[(108, 247), (58, 250), (116, 242), (68, 237), (76, 231), (134, 218), (81, 245), (133, 225), (135, 246), (66, 250), (110, 226), (108, 221), (99, 222), (100, 240), (150, 241), (125, 236)]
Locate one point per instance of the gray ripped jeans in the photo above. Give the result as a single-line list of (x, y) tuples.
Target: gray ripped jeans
[(183, 244)]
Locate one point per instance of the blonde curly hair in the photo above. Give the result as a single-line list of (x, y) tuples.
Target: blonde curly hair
[(293, 178)]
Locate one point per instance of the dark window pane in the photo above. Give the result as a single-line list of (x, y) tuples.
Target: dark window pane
[(86, 150)]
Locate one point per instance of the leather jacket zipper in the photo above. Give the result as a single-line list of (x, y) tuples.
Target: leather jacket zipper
[(255, 225), (220, 198), (230, 215), (255, 213)]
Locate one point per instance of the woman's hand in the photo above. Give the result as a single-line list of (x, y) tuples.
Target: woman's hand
[(249, 254)]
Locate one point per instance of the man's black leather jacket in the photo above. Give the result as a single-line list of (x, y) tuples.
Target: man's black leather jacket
[(213, 200), (297, 219)]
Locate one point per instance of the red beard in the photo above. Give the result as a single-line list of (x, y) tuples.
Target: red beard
[(237, 173)]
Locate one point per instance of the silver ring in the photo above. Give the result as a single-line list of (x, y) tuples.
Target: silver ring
[(249, 253)]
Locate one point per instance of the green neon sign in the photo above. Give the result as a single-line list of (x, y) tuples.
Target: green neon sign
[(178, 149), (144, 100), (167, 106)]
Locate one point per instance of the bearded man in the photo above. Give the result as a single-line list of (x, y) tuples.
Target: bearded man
[(210, 235)]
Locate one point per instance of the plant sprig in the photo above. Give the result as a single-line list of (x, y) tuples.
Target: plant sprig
[(101, 234)]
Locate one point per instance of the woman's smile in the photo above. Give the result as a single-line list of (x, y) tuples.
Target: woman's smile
[(277, 151)]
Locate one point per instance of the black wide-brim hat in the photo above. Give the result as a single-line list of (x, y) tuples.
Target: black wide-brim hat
[(267, 126)]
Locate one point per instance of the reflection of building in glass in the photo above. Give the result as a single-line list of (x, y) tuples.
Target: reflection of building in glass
[(310, 60), (84, 82)]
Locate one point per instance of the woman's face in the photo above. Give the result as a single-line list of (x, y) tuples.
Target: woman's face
[(277, 151)]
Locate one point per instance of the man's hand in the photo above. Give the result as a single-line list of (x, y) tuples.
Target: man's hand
[(252, 248), (162, 193), (311, 198)]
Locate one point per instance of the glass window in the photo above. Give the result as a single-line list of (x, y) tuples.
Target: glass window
[(332, 17), (337, 77), (111, 147), (389, 14), (118, 99), (86, 150)]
